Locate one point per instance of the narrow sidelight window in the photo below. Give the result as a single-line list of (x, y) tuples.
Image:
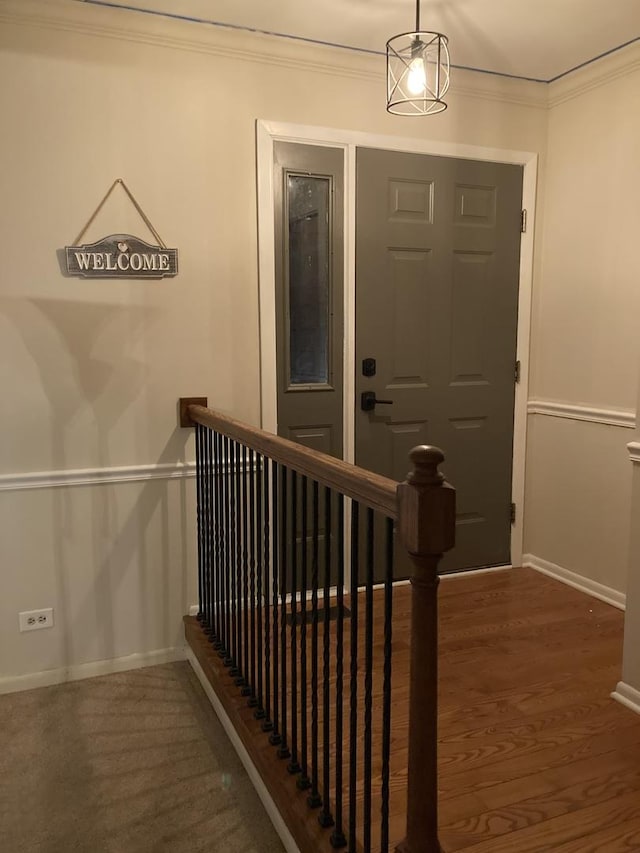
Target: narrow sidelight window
[(308, 272)]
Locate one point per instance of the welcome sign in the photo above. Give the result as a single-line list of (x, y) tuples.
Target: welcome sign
[(121, 256)]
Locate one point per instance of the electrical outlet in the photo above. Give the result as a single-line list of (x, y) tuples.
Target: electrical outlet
[(33, 620)]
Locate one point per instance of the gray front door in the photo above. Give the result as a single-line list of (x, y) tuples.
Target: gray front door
[(437, 271)]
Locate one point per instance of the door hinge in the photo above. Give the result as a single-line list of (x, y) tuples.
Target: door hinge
[(516, 372), (513, 513), (523, 221)]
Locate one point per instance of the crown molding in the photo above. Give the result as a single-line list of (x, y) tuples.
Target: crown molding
[(599, 73), (122, 24), (130, 26), (592, 414), (503, 89)]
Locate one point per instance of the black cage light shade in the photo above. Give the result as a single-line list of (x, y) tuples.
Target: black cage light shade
[(417, 72)]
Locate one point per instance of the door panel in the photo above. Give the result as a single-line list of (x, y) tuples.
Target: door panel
[(437, 271), (318, 437)]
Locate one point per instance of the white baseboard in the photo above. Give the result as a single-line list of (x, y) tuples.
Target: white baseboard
[(14, 683), (465, 573), (270, 807), (627, 696), (597, 590)]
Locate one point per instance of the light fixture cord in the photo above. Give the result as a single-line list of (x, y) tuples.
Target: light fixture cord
[(417, 16)]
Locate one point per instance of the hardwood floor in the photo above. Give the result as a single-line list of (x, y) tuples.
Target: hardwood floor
[(534, 755)]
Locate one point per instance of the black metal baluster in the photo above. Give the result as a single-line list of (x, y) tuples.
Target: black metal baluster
[(224, 547), (231, 571), (294, 765), (219, 521), (236, 669), (267, 724), (228, 564), (314, 799), (283, 750), (353, 715), (325, 818), (245, 680), (368, 683), (337, 836), (274, 737), (207, 531), (303, 782), (255, 682), (386, 699), (200, 520), (212, 509), (215, 552), (233, 533)]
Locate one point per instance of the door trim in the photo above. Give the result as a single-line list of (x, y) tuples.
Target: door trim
[(268, 132)]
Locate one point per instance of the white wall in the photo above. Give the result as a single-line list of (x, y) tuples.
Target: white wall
[(110, 559), (586, 347), (90, 371)]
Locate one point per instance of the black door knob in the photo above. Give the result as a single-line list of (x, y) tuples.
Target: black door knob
[(368, 401)]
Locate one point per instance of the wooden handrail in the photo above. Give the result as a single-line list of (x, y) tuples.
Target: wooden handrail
[(371, 489)]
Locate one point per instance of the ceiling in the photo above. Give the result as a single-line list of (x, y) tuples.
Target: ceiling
[(540, 40)]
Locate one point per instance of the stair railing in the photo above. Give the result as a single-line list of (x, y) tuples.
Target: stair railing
[(296, 554)]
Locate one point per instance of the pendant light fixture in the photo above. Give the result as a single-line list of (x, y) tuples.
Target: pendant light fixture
[(417, 72)]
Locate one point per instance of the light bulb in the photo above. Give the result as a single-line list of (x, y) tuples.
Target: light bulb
[(417, 77)]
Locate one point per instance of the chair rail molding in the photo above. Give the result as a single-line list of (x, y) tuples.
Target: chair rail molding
[(625, 418), (94, 476), (634, 451)]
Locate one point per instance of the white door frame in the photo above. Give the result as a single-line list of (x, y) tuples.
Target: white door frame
[(267, 133)]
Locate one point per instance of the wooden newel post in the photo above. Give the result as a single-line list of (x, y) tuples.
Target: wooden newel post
[(426, 522)]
